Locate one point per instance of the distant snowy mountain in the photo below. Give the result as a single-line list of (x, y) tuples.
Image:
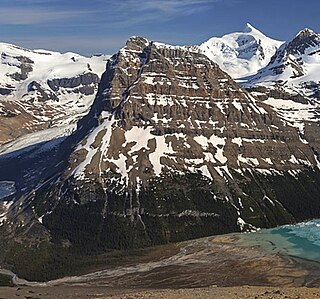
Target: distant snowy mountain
[(294, 67), (40, 89), (241, 53)]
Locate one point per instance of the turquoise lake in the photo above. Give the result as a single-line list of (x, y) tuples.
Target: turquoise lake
[(299, 240)]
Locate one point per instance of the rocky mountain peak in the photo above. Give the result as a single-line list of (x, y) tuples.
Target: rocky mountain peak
[(297, 58), (305, 32), (304, 40), (172, 112), (136, 43)]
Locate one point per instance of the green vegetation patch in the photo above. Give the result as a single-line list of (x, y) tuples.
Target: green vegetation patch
[(6, 281)]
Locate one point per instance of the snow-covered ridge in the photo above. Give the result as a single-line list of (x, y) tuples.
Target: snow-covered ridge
[(45, 65), (241, 53), (39, 87), (296, 64)]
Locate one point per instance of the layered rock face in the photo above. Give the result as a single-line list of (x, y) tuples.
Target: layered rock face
[(171, 149)]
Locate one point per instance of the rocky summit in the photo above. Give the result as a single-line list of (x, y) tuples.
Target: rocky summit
[(171, 149)]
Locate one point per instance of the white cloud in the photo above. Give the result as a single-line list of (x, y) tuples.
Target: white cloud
[(166, 6), (140, 11), (114, 12), (30, 16), (127, 13)]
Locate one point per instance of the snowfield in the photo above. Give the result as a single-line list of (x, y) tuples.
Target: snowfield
[(241, 54)]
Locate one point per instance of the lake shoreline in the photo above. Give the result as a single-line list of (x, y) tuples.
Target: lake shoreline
[(214, 265)]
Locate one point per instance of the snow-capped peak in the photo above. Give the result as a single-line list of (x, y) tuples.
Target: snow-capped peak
[(295, 65), (305, 32), (241, 53), (250, 29)]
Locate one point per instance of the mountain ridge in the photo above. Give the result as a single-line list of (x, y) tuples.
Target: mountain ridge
[(291, 82), (291, 62), (171, 149), (42, 89)]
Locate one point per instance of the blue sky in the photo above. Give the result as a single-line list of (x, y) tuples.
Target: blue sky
[(103, 26)]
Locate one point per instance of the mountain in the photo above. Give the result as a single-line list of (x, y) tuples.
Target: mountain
[(295, 67), (241, 53), (291, 82), (171, 149), (42, 89)]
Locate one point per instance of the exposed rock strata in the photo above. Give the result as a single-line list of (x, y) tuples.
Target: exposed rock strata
[(172, 149)]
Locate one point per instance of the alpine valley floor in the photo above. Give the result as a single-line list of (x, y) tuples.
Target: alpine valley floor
[(215, 267)]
